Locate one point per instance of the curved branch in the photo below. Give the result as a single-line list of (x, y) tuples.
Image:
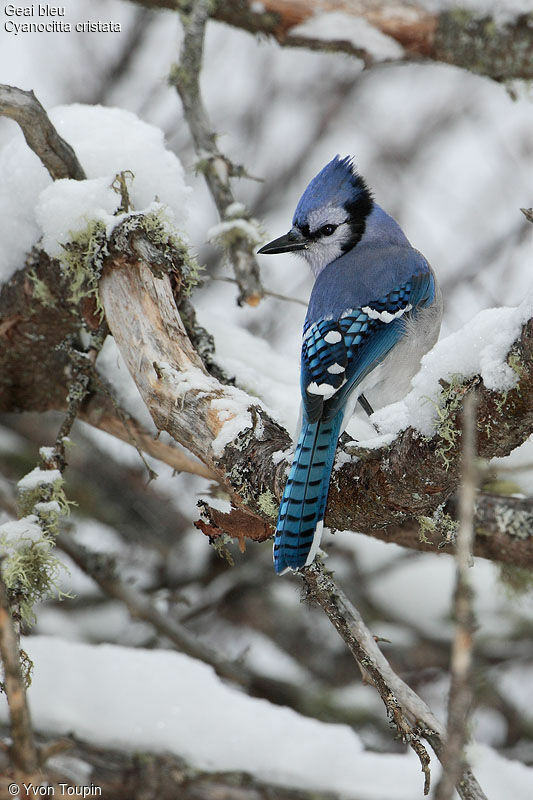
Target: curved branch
[(55, 153), (479, 43)]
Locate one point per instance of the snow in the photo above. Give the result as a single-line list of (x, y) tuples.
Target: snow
[(479, 347), (243, 227), (18, 534), (106, 141), (180, 706), (337, 26), (233, 413), (38, 477)]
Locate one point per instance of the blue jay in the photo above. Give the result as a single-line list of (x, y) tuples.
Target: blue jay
[(375, 309)]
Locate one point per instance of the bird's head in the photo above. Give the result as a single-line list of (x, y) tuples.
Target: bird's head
[(330, 217)]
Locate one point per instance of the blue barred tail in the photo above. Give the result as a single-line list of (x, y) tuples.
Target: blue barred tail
[(304, 499)]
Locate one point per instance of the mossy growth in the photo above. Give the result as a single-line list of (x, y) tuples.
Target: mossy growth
[(221, 545), (47, 500), (82, 261), (449, 404), (514, 361), (160, 232), (30, 568), (268, 504), (41, 292), (440, 522), (427, 525)]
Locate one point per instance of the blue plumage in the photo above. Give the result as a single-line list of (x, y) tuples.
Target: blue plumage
[(373, 294)]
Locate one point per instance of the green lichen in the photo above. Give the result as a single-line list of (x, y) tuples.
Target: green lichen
[(221, 545), (427, 525), (268, 504), (45, 493), (450, 400), (30, 567), (41, 292), (158, 229), (514, 361), (30, 570), (82, 261), (440, 522)]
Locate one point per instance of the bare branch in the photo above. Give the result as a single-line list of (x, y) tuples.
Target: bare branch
[(460, 698), (412, 718), (462, 37), (216, 168), (56, 155), (23, 750)]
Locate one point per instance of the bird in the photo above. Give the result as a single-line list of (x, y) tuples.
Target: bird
[(375, 309)]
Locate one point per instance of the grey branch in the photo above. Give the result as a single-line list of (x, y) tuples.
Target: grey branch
[(23, 749), (411, 716), (502, 50), (54, 152), (460, 698), (218, 170)]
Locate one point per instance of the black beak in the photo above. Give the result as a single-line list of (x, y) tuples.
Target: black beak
[(293, 240)]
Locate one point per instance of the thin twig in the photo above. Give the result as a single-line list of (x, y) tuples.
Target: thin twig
[(216, 168), (23, 750), (266, 292), (411, 716), (55, 153), (460, 698)]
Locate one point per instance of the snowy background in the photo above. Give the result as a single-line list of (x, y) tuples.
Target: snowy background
[(450, 155)]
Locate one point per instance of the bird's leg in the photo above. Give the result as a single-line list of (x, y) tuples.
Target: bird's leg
[(366, 405)]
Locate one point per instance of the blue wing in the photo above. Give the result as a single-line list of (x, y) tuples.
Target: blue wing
[(337, 354)]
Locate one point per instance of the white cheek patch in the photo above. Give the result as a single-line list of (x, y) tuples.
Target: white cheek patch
[(385, 316), (333, 337), (335, 369)]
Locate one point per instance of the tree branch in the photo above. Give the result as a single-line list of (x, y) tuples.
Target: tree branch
[(55, 153), (464, 38), (23, 751), (412, 718), (460, 697), (396, 485), (217, 169)]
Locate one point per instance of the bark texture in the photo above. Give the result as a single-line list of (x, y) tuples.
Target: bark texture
[(476, 42)]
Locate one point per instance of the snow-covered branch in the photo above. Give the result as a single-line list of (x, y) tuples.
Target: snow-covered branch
[(382, 491), (491, 43)]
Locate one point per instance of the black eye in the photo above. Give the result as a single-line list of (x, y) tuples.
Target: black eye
[(327, 230)]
